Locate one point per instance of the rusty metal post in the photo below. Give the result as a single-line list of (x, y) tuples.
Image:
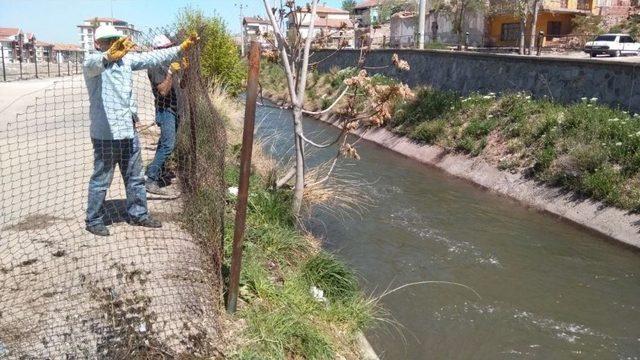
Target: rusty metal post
[(49, 63), (68, 65), (76, 62), (58, 62), (540, 40), (384, 41), (21, 44), (4, 71), (245, 170), (35, 60)]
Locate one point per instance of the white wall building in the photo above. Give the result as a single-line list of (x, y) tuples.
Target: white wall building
[(89, 26), (327, 19), (255, 28)]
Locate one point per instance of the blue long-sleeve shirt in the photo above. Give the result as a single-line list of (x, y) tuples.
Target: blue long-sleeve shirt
[(110, 90)]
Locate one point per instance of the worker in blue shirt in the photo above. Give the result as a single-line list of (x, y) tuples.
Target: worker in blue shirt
[(108, 77)]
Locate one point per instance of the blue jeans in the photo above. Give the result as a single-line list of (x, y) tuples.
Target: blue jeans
[(127, 154), (168, 123)]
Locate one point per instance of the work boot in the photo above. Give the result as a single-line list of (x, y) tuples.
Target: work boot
[(99, 230), (153, 188), (148, 222)]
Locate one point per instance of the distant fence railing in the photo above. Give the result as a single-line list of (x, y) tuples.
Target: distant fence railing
[(48, 66), (481, 42)]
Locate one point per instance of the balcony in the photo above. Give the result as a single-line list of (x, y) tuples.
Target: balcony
[(584, 5)]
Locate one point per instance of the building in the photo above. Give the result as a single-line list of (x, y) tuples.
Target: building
[(66, 52), (555, 19), (88, 27), (328, 21), (8, 38), (44, 51), (17, 45), (255, 28)]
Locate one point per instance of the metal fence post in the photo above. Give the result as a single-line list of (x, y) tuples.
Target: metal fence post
[(540, 39), (466, 40), (245, 171), (76, 62), (58, 62), (384, 41), (4, 71), (49, 63), (68, 66)]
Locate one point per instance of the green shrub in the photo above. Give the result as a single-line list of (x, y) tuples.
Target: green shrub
[(603, 184), (332, 276), (429, 104), (220, 58), (429, 131)]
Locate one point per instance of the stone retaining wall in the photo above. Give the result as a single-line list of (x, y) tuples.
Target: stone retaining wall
[(563, 80)]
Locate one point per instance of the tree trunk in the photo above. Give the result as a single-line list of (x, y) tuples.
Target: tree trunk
[(523, 24), (298, 190), (461, 26), (534, 25)]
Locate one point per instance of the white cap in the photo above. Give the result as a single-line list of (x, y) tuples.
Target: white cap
[(161, 41), (106, 32)]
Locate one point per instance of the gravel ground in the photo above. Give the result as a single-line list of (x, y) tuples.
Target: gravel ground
[(67, 293)]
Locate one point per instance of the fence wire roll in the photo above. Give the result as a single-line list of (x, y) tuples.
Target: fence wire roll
[(141, 292)]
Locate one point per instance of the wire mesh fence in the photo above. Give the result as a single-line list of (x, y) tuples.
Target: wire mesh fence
[(75, 158)]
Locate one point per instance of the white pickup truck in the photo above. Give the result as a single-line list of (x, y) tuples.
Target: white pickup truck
[(613, 45)]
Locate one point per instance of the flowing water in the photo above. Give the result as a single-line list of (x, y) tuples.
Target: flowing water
[(548, 290)]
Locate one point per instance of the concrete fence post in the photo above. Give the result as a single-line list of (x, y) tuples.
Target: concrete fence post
[(466, 40), (35, 60), (4, 71)]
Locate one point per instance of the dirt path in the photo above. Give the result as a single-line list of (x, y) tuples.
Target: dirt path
[(67, 292)]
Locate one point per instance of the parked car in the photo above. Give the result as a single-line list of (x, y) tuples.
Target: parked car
[(613, 45)]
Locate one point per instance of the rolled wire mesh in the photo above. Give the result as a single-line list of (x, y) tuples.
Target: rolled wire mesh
[(139, 292)]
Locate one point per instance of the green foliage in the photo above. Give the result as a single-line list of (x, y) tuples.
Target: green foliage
[(630, 26), (429, 131), (332, 276), (220, 59), (283, 319), (430, 104), (348, 5), (585, 147), (586, 26)]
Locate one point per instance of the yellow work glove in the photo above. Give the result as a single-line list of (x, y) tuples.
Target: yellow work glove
[(185, 63), (191, 40), (174, 67), (119, 49)]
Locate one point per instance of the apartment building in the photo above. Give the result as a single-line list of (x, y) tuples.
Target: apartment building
[(88, 27)]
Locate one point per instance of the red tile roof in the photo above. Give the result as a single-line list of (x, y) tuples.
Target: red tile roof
[(104, 19), (8, 32), (332, 23), (256, 20), (368, 4), (66, 47), (325, 9)]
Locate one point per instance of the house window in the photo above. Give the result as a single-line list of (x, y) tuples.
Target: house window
[(510, 32), (554, 28)]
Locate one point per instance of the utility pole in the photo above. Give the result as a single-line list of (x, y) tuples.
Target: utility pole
[(241, 6), (421, 22)]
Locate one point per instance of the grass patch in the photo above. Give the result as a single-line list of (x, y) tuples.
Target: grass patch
[(282, 319)]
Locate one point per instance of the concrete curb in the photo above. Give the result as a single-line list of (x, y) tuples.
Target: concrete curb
[(613, 223), (365, 347)]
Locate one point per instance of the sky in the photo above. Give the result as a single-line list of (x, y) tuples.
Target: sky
[(55, 20)]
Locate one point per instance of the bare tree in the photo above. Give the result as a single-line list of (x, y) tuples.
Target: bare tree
[(459, 12), (293, 54)]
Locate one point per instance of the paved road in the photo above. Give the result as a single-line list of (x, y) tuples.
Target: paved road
[(59, 282)]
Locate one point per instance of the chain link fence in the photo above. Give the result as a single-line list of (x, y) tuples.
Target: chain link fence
[(140, 292)]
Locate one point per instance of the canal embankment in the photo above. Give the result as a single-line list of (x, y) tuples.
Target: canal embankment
[(576, 161)]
